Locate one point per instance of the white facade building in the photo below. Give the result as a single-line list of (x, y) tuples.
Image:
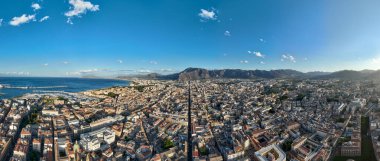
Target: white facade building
[(92, 141)]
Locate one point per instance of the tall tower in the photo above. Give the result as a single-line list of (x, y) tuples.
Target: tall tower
[(189, 140)]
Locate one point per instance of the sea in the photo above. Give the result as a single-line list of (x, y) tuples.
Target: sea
[(11, 87)]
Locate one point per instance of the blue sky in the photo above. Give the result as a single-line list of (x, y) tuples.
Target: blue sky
[(113, 37)]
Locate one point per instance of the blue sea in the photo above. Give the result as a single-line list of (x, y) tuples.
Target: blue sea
[(17, 86)]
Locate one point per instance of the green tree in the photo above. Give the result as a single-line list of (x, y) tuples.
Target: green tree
[(126, 138), (300, 97), (112, 95), (168, 144), (287, 145), (203, 150), (284, 97)]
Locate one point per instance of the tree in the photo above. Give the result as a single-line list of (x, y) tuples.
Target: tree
[(287, 145), (168, 144), (203, 150), (126, 138), (300, 97), (33, 118), (112, 95), (139, 88), (340, 120), (88, 120), (284, 97), (61, 98)]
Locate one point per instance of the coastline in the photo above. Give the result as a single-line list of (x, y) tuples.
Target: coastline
[(24, 86)]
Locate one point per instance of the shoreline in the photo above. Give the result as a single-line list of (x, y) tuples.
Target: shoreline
[(106, 78), (37, 90), (60, 93)]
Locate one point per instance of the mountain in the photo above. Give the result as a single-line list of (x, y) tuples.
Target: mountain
[(345, 75), (368, 71), (374, 75), (147, 76), (316, 74), (353, 75), (200, 73)]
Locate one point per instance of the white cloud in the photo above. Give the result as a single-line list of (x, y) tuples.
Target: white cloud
[(123, 72), (69, 21), (78, 8), (1, 22), (44, 18), (15, 73), (120, 61), (85, 72), (88, 71), (258, 54), (16, 21), (306, 59), (46, 64), (72, 73), (288, 58), (261, 40), (208, 15), (144, 71), (244, 62), (36, 6), (227, 33), (153, 62), (66, 62), (169, 70), (262, 62)]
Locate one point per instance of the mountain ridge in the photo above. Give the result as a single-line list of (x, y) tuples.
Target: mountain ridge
[(201, 73)]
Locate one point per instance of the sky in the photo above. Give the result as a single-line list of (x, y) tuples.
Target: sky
[(73, 38)]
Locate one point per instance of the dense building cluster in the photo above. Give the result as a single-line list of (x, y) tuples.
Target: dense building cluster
[(262, 120)]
